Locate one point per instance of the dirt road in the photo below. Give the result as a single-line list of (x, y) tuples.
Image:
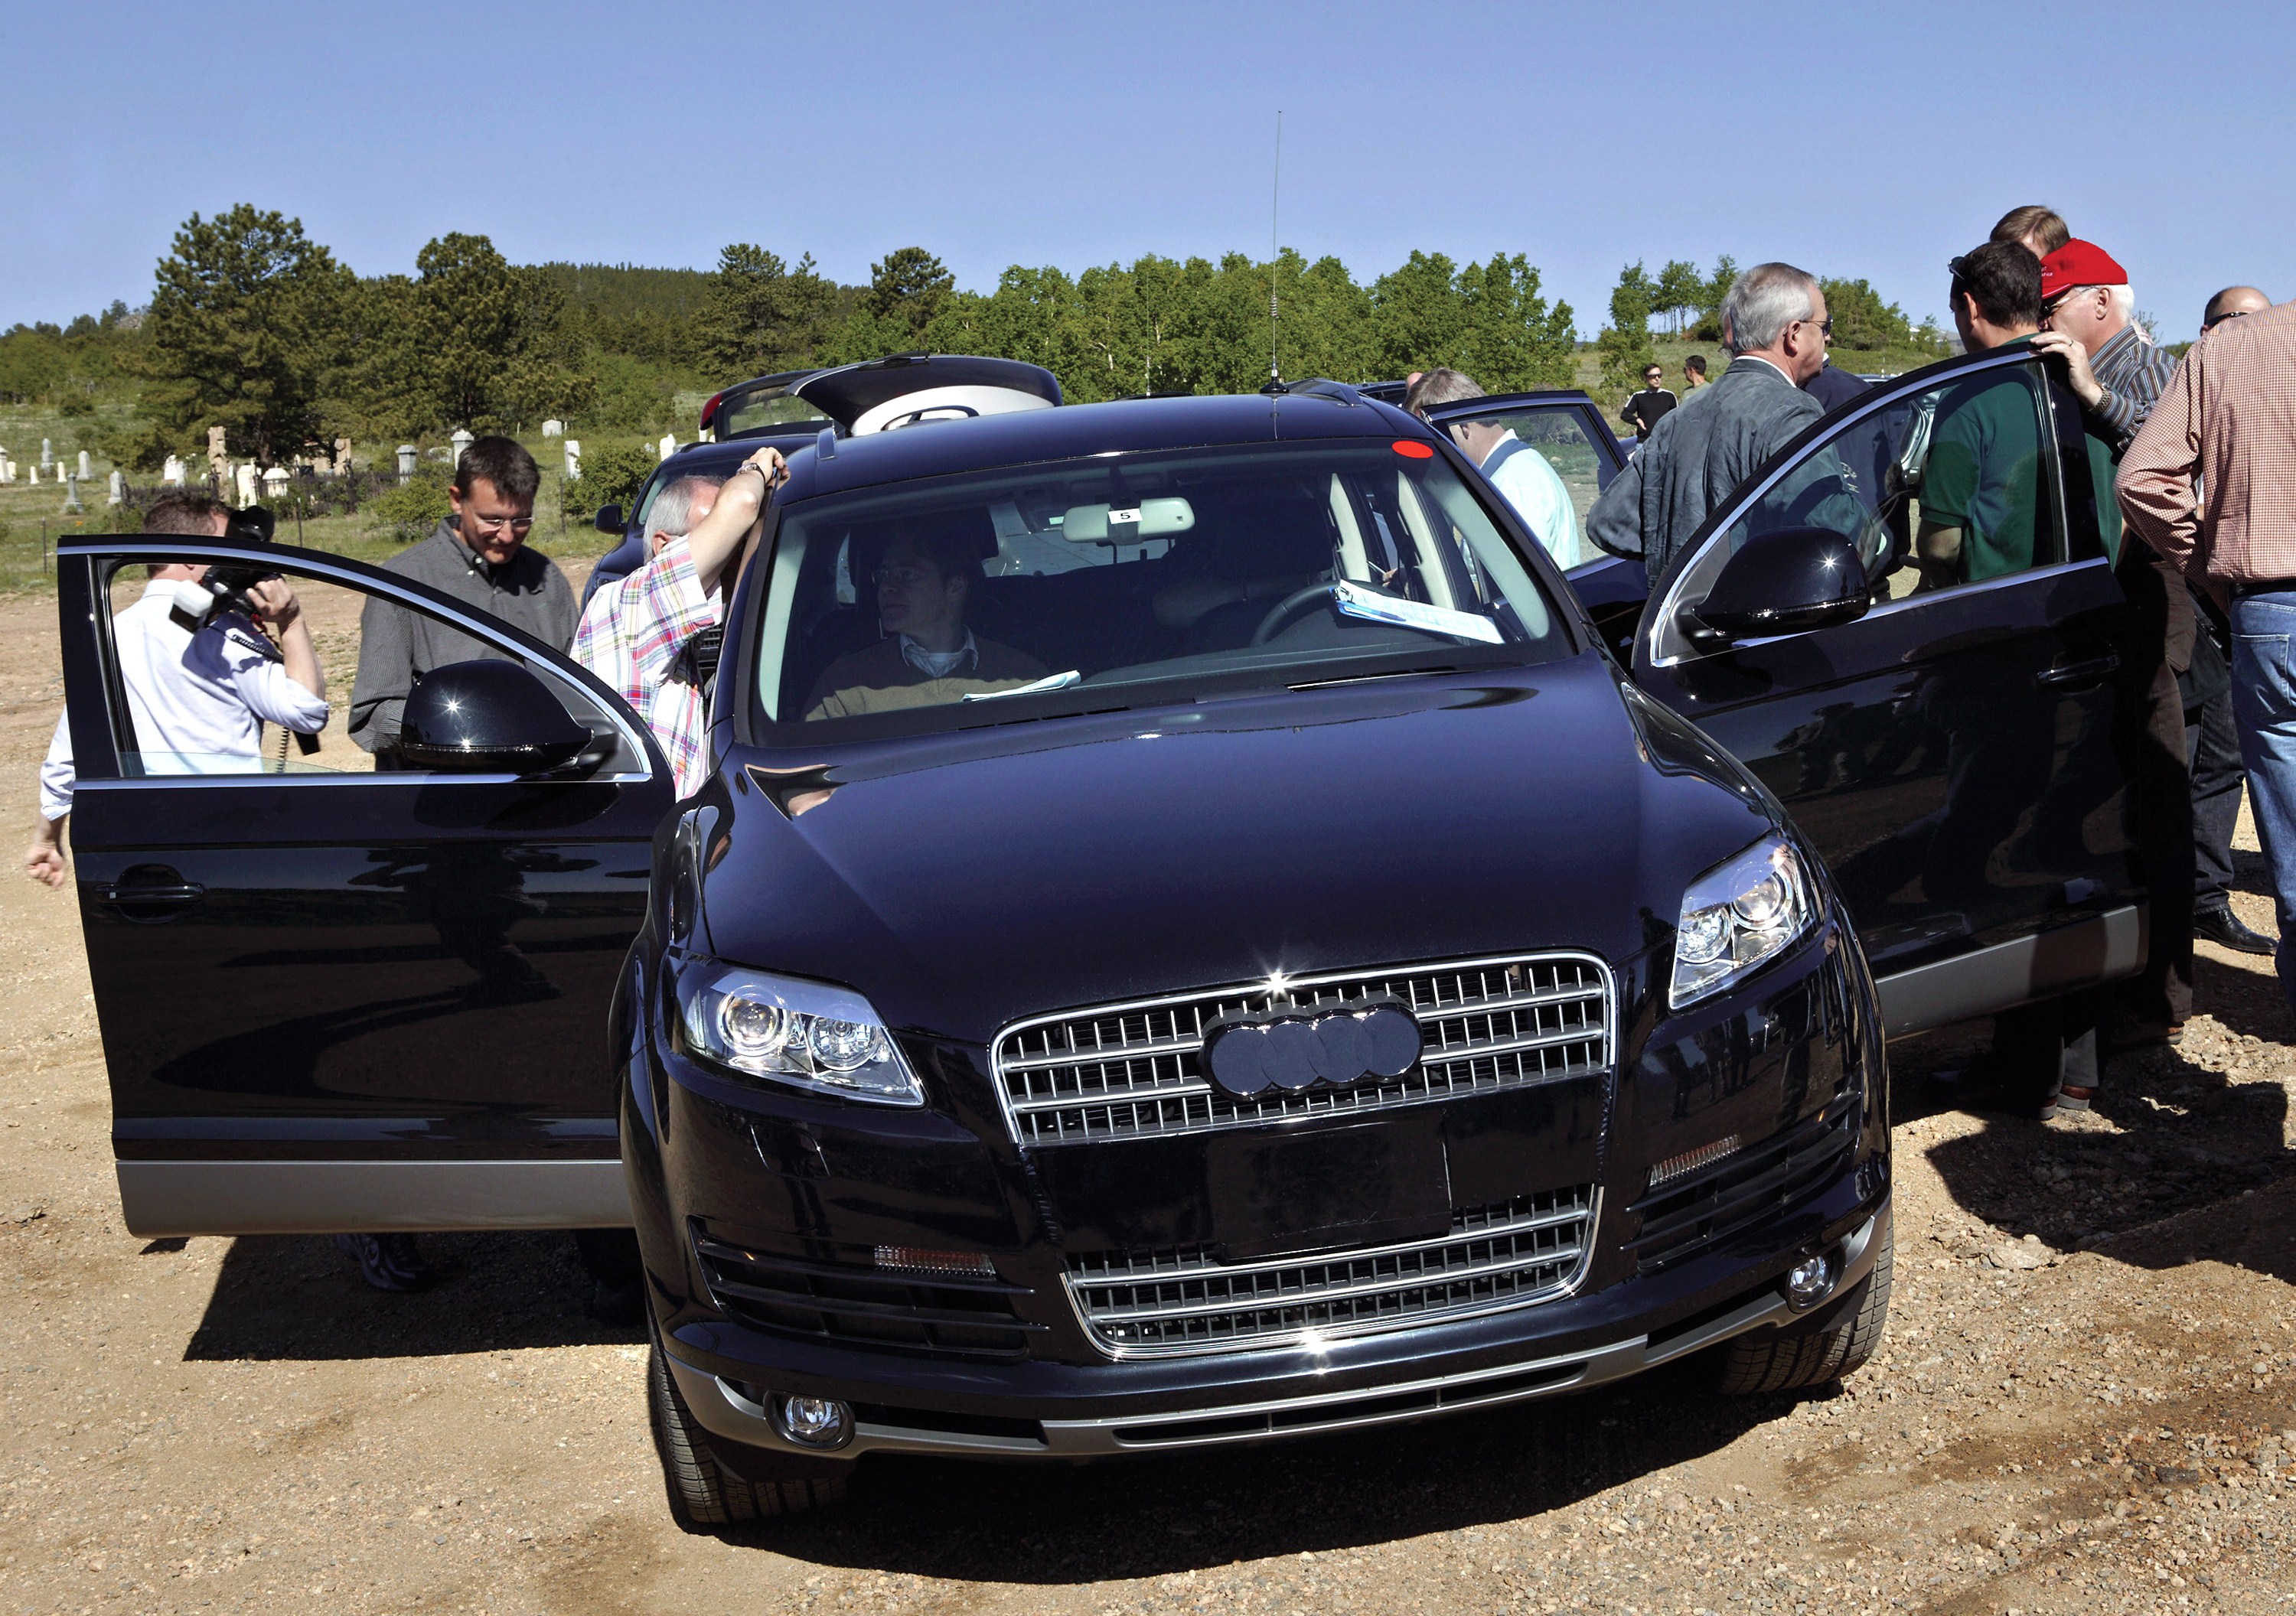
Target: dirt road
[(2087, 1401)]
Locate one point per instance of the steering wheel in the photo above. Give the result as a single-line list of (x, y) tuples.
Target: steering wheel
[(1289, 607)]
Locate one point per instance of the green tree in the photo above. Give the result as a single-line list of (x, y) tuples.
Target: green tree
[(1861, 320), (611, 474), (907, 287), (488, 339), (1512, 340), (1709, 326), (1419, 322), (1680, 291), (758, 315), (245, 328), (1625, 345)]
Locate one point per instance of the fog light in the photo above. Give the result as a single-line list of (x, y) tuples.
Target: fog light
[(1808, 1281), (813, 1422)]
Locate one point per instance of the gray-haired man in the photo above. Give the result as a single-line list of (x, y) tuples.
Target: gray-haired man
[(1775, 323)]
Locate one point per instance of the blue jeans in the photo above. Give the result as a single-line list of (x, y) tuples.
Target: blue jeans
[(2264, 706)]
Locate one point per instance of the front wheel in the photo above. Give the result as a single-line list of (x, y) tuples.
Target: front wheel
[(1786, 1359), (702, 1492)]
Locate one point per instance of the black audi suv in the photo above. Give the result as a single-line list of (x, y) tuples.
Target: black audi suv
[(1282, 977)]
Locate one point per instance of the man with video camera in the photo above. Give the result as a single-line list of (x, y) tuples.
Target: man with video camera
[(201, 678)]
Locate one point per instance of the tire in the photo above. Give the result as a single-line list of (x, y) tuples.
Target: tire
[(704, 1494), (1789, 1359)]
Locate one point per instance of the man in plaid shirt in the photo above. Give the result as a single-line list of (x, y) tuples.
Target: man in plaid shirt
[(635, 634)]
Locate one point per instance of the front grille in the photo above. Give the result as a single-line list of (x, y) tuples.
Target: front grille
[(767, 1291), (1140, 1304), (1690, 1215), (1131, 1071)]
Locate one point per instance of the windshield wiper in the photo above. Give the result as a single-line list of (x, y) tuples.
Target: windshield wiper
[(1055, 682)]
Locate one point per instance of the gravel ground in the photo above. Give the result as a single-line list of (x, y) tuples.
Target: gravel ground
[(2087, 1400)]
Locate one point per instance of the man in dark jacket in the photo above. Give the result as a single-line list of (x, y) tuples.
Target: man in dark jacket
[(1833, 386), (1775, 325), (479, 556)]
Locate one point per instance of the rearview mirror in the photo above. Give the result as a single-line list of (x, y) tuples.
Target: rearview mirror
[(488, 717), (1787, 581), (609, 520), (1149, 519)]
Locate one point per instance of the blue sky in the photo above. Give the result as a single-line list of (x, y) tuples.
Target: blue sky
[(1873, 141)]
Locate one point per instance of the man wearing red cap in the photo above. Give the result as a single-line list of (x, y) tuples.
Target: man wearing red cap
[(2086, 305)]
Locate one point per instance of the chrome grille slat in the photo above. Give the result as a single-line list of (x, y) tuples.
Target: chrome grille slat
[(1168, 1303), (1131, 1071)]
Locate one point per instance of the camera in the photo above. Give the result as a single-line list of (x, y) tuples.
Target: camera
[(222, 588)]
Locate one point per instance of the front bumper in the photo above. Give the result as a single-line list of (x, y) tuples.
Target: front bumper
[(732, 1409)]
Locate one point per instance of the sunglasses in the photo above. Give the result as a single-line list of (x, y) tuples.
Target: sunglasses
[(2230, 314)]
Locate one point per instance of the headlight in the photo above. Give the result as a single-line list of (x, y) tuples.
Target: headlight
[(1737, 915), (807, 1034)]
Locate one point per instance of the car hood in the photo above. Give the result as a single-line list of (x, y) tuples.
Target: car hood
[(963, 882)]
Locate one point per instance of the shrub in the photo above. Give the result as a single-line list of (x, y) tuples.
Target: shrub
[(409, 511), (609, 477)]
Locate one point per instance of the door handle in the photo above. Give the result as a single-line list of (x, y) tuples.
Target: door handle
[(2078, 675), (181, 893)]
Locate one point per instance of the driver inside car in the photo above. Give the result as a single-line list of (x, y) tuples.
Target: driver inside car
[(928, 656)]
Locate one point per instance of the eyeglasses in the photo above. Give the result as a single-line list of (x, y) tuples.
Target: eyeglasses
[(906, 577), (1826, 326), (2230, 314), (520, 524)]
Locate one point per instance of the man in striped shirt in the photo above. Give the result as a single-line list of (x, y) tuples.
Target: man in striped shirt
[(2211, 483), (639, 634)]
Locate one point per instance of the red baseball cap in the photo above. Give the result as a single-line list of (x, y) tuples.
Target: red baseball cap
[(2078, 262)]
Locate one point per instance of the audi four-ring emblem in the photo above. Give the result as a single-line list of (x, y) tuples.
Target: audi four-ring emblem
[(1293, 1050)]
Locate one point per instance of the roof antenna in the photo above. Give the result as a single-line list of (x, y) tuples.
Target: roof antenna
[(1274, 255)]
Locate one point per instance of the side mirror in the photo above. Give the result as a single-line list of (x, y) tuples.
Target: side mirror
[(609, 520), (1784, 582), (489, 717)]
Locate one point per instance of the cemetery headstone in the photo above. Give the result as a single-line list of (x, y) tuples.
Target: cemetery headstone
[(72, 506), (247, 484), (116, 493), (173, 471), (462, 441), (406, 461), (342, 457), (218, 462), (83, 466), (46, 459), (553, 429), (668, 444), (573, 459)]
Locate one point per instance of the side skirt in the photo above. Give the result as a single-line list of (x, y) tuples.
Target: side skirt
[(160, 1198), (2103, 948)]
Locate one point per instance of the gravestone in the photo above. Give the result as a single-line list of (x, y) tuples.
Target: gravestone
[(462, 441), (218, 462), (172, 473), (247, 484), (573, 459), (668, 444), (32, 476), (116, 493), (406, 461), (553, 429), (46, 459), (72, 506), (275, 482), (83, 466), (342, 457)]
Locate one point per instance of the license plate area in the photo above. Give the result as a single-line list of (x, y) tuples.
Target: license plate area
[(1359, 1183)]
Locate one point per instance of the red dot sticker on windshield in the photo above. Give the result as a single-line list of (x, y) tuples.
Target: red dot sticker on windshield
[(1411, 449)]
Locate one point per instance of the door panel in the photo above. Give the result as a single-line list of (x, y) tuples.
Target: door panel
[(303, 960), (1560, 457), (1950, 753)]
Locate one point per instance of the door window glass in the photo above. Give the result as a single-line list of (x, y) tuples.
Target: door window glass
[(1547, 465), (208, 681), (1937, 488)]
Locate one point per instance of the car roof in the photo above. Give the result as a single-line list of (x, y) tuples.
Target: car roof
[(1133, 426)]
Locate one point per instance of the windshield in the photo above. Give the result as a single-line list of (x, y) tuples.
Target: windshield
[(763, 408), (1118, 581)]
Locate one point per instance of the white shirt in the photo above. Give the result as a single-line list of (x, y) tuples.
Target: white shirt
[(1537, 493), (195, 698)]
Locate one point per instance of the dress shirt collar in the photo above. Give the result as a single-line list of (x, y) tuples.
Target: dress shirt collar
[(939, 664)]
